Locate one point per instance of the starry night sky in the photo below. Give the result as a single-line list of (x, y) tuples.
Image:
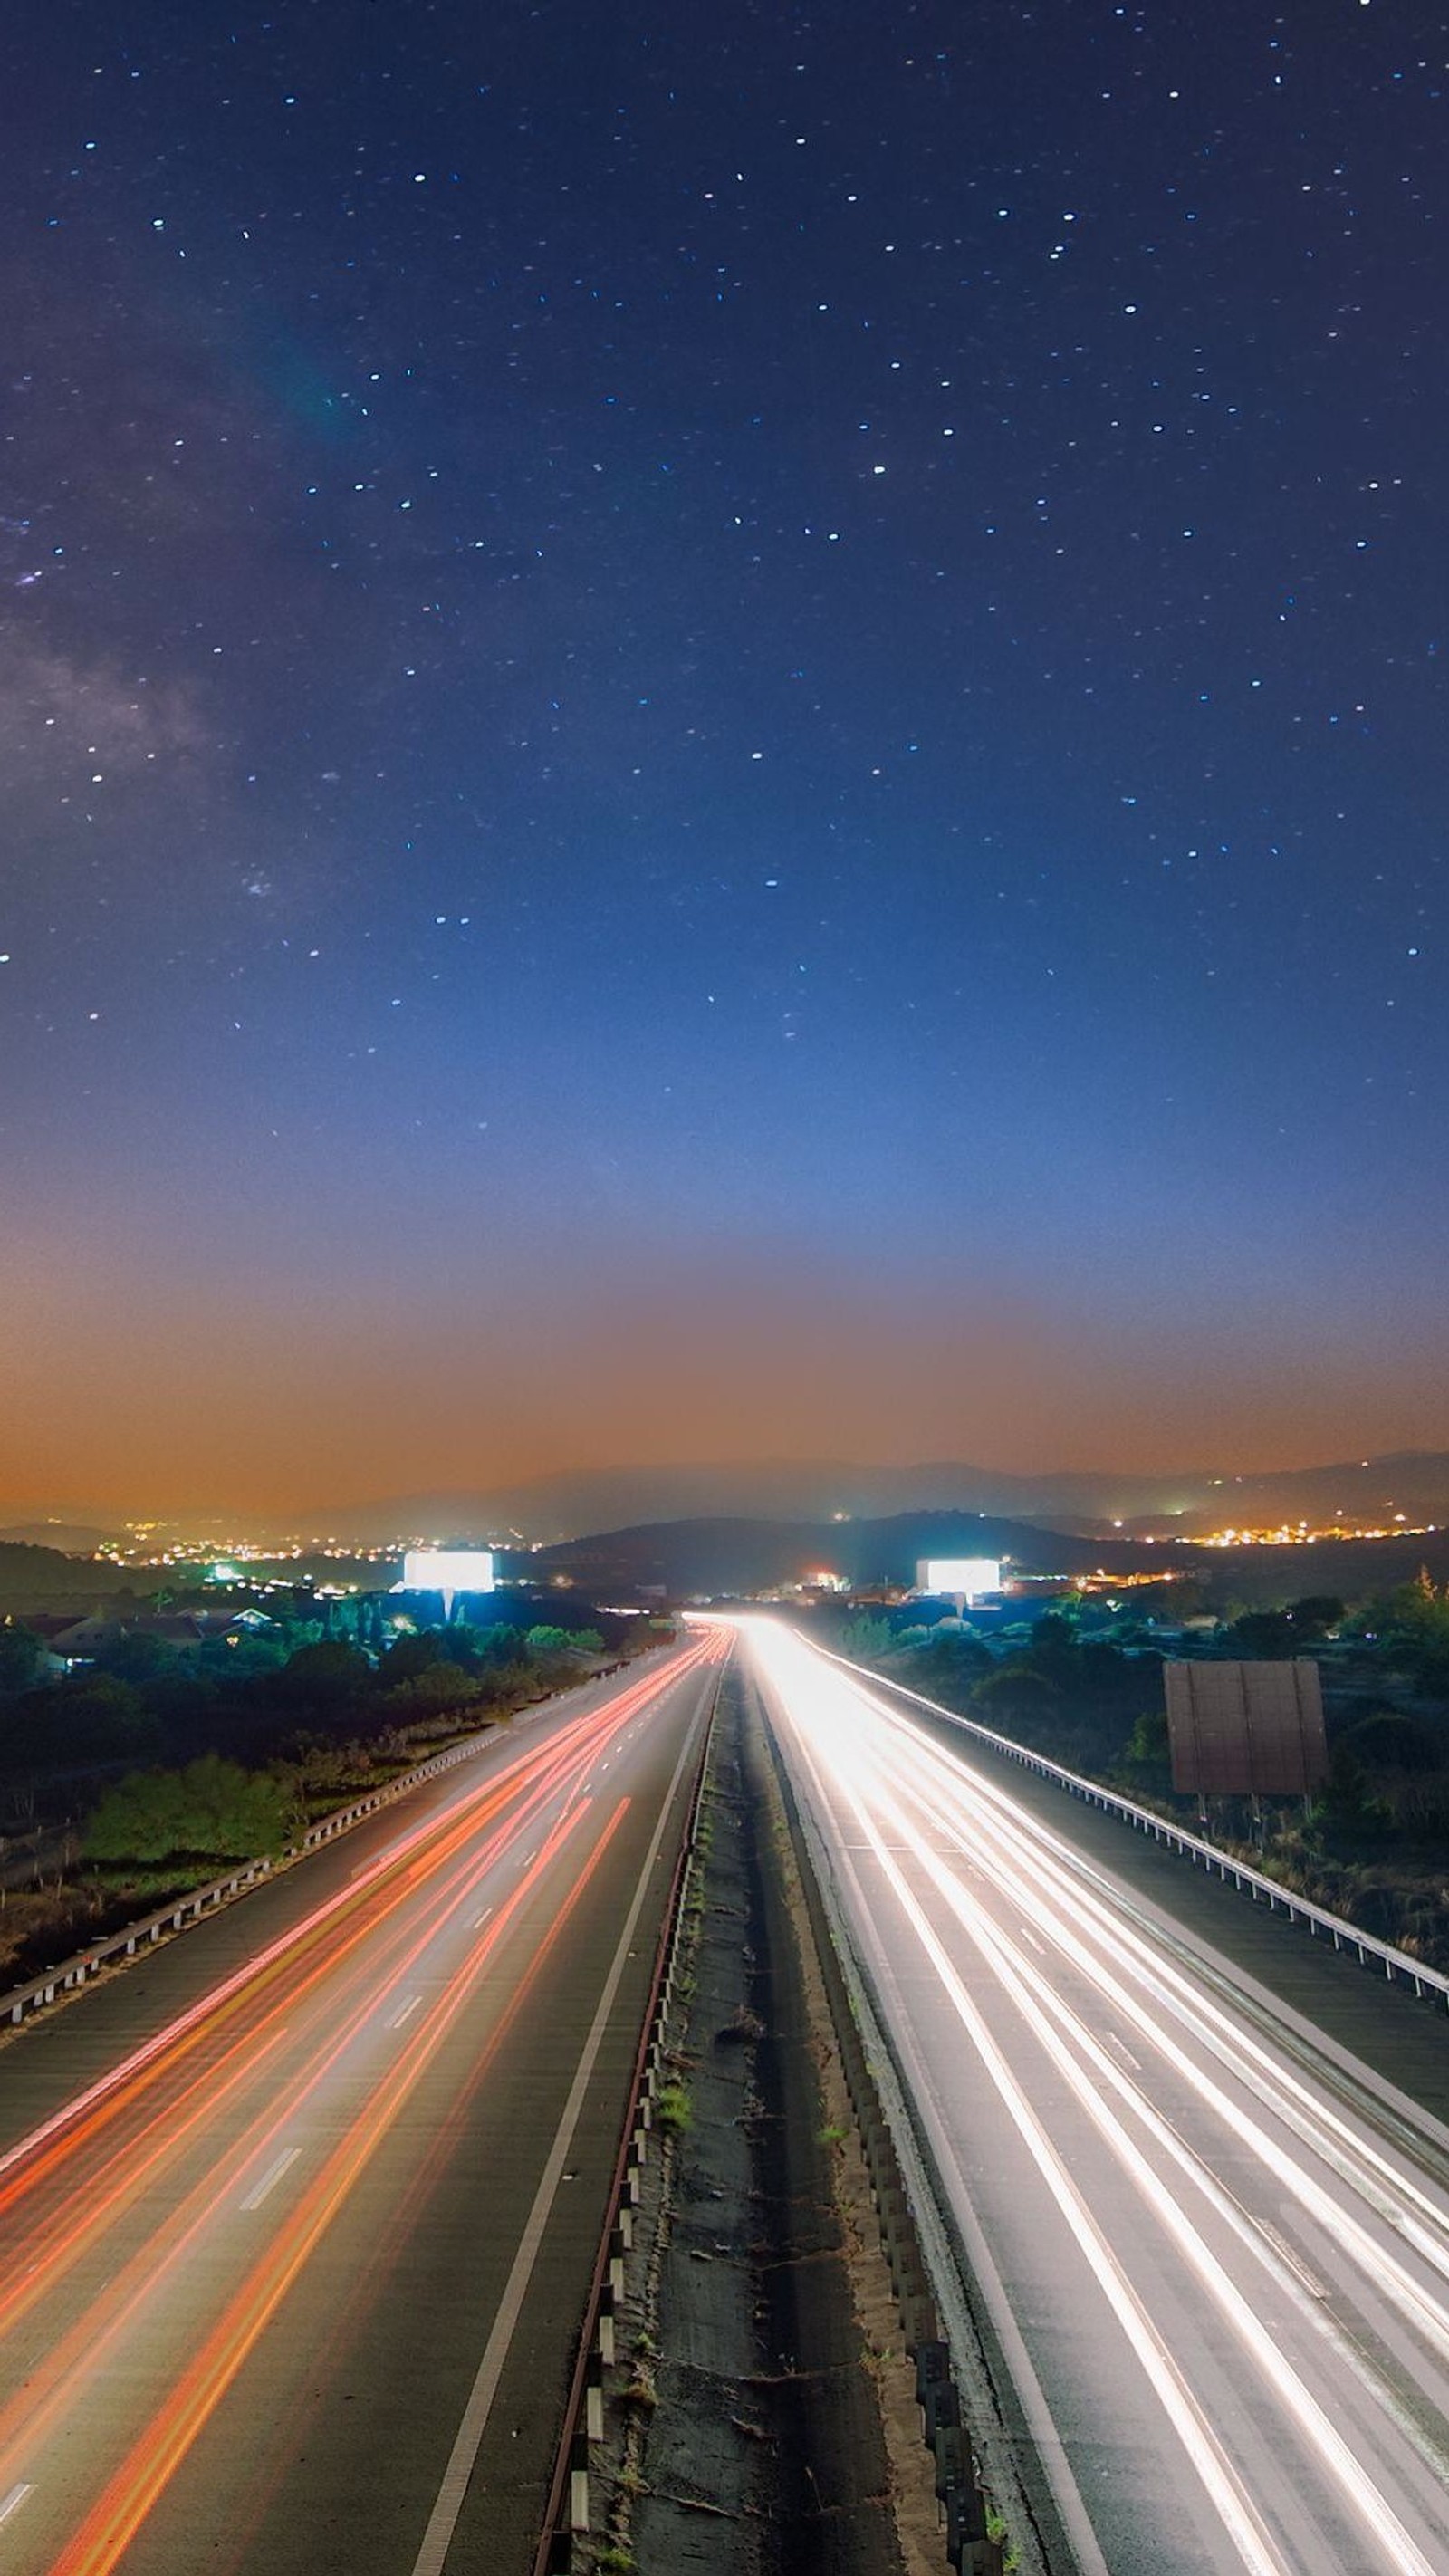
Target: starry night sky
[(723, 732)]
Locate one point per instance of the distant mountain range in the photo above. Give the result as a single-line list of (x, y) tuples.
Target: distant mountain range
[(729, 1556), (76, 1538), (555, 1508), (45, 1578), (551, 1509)]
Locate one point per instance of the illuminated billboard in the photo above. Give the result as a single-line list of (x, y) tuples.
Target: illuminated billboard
[(448, 1569), (966, 1575)]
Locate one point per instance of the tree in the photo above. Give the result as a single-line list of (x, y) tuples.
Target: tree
[(407, 1657), (1148, 1749), (212, 1810), (440, 1690), (134, 1657), (1265, 1635), (500, 1644), (250, 1651), (91, 1717), (866, 1639), (1344, 1807), (1386, 1740), (19, 1656), (950, 1664), (1315, 1614), (1053, 1643), (331, 1674), (1015, 1694)]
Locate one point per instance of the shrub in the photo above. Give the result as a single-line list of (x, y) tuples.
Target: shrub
[(213, 1810), (673, 2111)]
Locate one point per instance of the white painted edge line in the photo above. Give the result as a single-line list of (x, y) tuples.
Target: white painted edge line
[(271, 2178), (443, 2520), (11, 2503), (409, 2008)]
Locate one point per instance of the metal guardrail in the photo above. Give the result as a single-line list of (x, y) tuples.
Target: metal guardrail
[(75, 1972), (567, 2513), (1397, 1965)]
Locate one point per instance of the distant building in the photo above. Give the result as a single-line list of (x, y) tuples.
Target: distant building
[(68, 1640)]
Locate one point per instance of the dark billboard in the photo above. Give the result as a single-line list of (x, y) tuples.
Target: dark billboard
[(1237, 1730)]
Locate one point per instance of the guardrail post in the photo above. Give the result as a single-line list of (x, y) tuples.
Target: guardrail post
[(579, 2483), (953, 2464), (933, 2364)]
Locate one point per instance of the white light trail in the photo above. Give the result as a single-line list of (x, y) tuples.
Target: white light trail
[(1045, 1968)]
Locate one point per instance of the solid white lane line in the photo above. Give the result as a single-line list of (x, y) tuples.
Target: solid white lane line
[(11, 2503), (443, 2520), (409, 2008), (271, 2178)]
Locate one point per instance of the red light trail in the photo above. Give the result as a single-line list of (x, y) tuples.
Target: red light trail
[(130, 2208)]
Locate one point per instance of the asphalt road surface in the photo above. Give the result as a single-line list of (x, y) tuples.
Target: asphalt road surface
[(297, 2215), (1220, 2267)]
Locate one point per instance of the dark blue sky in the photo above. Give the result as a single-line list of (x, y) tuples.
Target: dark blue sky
[(724, 732)]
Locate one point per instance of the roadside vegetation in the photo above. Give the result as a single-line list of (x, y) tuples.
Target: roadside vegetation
[(146, 1771), (1082, 1684)]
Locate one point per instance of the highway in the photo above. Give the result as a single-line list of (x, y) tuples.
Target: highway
[(1220, 2276), (297, 2214)]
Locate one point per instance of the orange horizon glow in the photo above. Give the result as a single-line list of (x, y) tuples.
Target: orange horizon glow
[(288, 1408)]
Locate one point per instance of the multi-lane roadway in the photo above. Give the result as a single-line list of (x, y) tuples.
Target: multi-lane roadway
[(297, 2215), (1218, 2272)]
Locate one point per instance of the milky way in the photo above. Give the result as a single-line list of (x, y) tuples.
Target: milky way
[(723, 729)]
